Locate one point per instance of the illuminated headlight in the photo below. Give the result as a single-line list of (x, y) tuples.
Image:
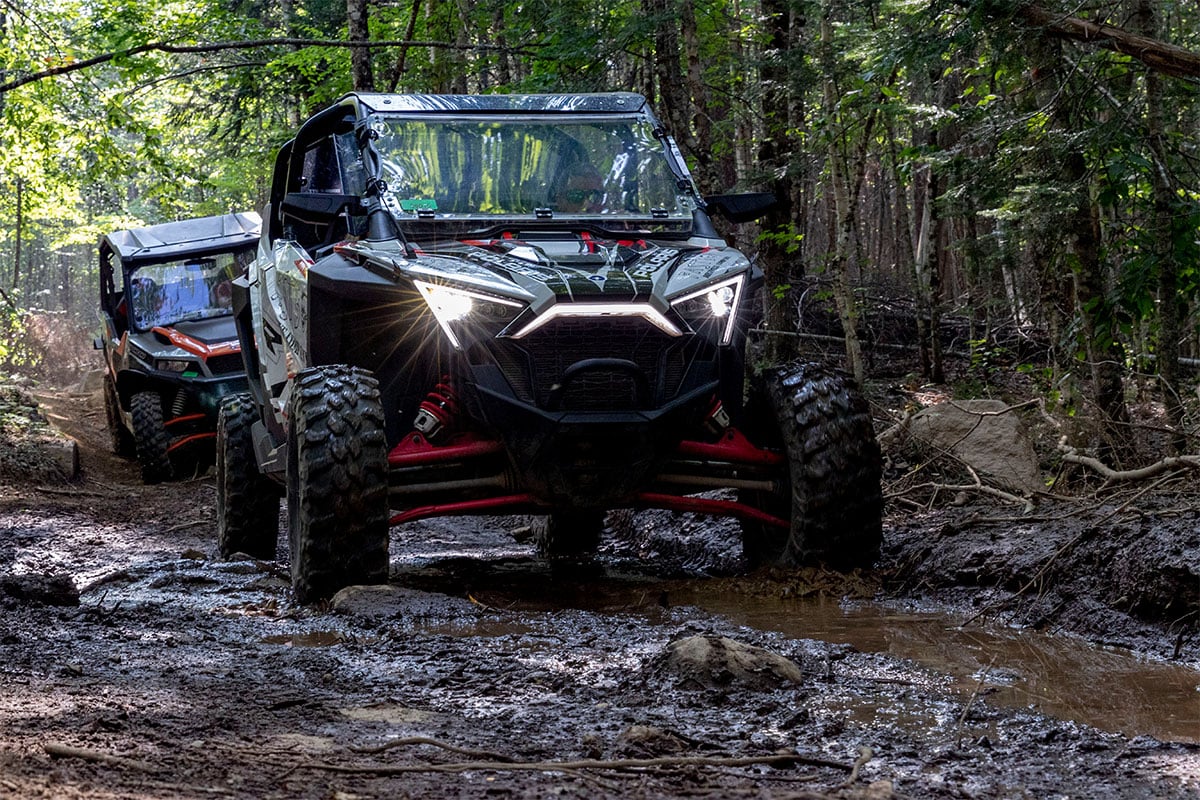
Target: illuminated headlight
[(713, 303), (454, 307), (172, 364)]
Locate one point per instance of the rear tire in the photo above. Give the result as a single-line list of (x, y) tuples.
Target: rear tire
[(567, 534), (150, 437), (121, 438), (247, 501), (832, 495), (337, 482)]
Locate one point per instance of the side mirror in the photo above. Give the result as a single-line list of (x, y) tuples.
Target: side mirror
[(97, 343), (745, 207)]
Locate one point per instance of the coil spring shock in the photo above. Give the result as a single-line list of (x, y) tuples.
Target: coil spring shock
[(181, 398), (438, 411)]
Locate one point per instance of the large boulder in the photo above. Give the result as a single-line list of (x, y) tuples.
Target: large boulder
[(986, 436)]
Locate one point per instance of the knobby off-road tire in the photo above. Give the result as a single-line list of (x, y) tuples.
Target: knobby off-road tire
[(835, 499), (336, 482), (568, 534), (150, 437), (247, 502), (121, 438)]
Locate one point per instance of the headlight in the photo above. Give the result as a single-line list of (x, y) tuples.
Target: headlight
[(716, 303), (454, 308), (172, 365)]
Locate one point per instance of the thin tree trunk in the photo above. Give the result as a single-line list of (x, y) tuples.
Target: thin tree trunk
[(780, 265), (1170, 306), (409, 32), (19, 231), (362, 77)]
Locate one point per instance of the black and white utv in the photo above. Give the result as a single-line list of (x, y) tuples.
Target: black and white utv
[(517, 304), (171, 351)]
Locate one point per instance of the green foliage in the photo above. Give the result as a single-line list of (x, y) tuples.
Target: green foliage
[(16, 354)]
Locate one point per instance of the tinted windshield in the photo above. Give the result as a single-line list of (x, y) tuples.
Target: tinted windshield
[(198, 288), (527, 167)]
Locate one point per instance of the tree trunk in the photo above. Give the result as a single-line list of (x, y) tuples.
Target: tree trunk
[(362, 77), (20, 227), (845, 205), (1170, 306), (401, 60), (777, 254)]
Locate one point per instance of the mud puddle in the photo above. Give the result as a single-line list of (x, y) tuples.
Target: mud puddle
[(1061, 676)]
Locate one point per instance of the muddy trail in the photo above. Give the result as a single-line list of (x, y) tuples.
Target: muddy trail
[(991, 655)]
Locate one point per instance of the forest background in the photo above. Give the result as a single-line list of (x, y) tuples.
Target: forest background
[(1012, 183)]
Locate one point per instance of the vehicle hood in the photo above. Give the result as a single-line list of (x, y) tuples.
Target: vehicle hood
[(574, 267)]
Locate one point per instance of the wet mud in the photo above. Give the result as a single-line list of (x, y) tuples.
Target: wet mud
[(655, 670)]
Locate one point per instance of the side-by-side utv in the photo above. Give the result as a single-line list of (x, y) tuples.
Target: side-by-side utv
[(171, 350)]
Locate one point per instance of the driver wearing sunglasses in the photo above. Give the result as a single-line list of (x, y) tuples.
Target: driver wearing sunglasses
[(583, 191)]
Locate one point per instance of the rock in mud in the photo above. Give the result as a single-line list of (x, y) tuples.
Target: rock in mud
[(986, 438), (39, 589), (645, 741), (391, 602), (717, 662)]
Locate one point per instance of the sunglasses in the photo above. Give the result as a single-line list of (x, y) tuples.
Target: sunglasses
[(581, 195)]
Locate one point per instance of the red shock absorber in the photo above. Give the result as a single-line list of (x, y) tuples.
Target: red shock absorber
[(718, 418), (438, 411)]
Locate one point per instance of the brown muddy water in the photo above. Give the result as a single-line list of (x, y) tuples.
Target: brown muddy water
[(1061, 676)]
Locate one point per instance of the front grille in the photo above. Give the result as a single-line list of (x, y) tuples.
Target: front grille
[(534, 366), (219, 365)]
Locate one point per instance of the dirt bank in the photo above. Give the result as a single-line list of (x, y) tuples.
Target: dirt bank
[(481, 671)]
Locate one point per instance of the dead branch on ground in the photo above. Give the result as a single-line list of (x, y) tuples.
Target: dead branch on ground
[(414, 740), (67, 751), (777, 759), (1110, 475)]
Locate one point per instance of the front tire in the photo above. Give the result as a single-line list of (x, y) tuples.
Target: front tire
[(567, 534), (121, 440), (247, 501), (832, 494), (150, 437), (337, 482)]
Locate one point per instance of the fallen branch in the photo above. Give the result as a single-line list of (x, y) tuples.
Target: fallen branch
[(1086, 532), (411, 740), (67, 751), (865, 754), (1109, 474), (978, 486), (191, 524), (778, 759)]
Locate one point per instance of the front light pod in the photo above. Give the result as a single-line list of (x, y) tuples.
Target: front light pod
[(450, 305), (715, 301)]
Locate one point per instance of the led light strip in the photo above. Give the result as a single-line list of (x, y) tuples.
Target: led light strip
[(596, 310)]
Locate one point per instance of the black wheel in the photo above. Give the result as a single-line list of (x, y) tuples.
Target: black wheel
[(122, 439), (247, 502), (832, 494), (336, 482), (150, 437), (567, 534)]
